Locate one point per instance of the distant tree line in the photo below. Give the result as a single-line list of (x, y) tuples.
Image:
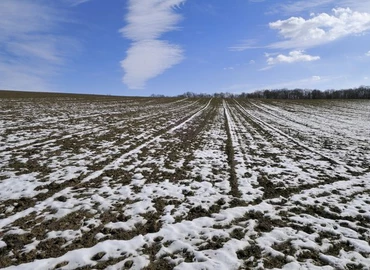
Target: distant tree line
[(362, 92), (203, 95)]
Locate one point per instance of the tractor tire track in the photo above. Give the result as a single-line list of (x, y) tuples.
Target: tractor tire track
[(272, 128), (61, 189)]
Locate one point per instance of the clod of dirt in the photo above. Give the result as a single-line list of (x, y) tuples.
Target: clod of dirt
[(128, 264), (122, 218), (98, 256), (274, 262), (62, 198), (197, 212), (158, 239), (160, 264), (237, 234), (221, 201), (62, 264), (153, 226), (249, 251)]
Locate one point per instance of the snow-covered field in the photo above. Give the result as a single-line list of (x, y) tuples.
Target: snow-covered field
[(167, 183)]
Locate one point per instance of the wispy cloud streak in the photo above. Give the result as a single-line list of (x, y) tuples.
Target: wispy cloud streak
[(148, 56), (31, 50), (296, 7), (77, 2)]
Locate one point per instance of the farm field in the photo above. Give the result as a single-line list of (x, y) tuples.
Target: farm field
[(101, 182)]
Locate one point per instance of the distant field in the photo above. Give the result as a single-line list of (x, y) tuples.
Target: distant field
[(161, 183)]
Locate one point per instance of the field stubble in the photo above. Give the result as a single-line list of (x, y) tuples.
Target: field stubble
[(162, 183)]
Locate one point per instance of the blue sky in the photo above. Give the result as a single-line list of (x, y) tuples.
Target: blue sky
[(143, 47)]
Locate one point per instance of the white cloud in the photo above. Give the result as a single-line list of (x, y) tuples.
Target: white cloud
[(149, 19), (299, 6), (41, 48), (368, 53), (295, 7), (266, 68), (294, 56), (354, 5), (229, 68), (244, 45), (316, 78), (320, 29), (21, 75), (22, 17), (149, 57), (32, 51), (75, 2), (252, 62)]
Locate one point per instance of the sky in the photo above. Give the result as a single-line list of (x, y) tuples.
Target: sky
[(145, 47)]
